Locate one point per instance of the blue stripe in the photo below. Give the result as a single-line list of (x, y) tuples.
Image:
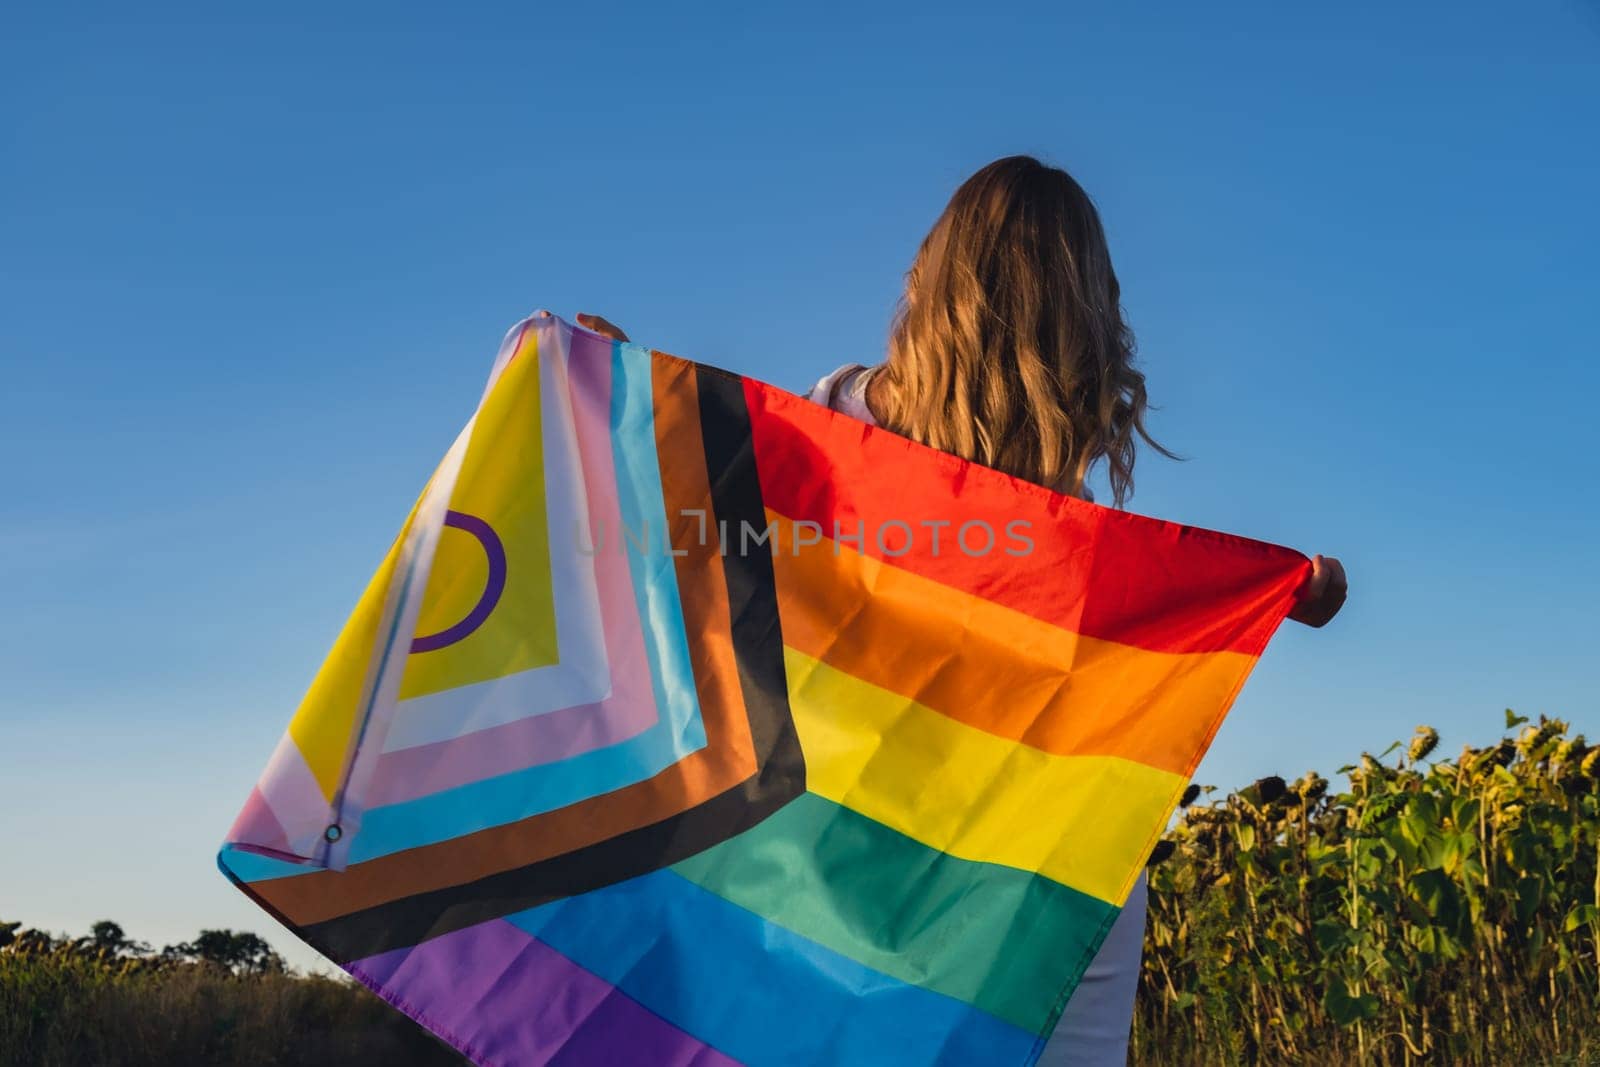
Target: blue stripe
[(678, 731), (757, 991), (655, 576)]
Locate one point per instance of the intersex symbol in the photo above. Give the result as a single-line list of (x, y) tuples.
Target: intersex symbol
[(492, 589)]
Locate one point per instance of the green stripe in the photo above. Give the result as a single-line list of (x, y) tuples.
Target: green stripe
[(1000, 939)]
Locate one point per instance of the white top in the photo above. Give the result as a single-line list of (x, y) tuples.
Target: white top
[(1093, 1029)]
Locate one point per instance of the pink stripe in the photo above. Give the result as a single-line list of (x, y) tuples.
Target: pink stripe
[(500, 996), (628, 711), (298, 807), (256, 826)]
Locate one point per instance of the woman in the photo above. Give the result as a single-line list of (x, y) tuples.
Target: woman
[(1009, 349)]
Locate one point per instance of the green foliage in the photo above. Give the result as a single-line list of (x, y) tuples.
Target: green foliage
[(238, 953), (1435, 912)]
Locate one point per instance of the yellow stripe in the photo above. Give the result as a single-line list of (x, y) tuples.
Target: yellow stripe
[(1085, 821), (322, 725), (996, 668)]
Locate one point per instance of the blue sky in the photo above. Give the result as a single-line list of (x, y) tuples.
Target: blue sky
[(253, 268)]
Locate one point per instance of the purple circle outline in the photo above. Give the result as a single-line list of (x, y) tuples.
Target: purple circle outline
[(492, 590)]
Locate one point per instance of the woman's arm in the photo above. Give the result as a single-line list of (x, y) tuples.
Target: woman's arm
[(601, 326)]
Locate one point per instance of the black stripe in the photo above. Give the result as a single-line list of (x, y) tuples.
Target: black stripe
[(780, 773), (752, 590)]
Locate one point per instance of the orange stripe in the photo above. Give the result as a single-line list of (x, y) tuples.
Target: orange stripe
[(995, 668)]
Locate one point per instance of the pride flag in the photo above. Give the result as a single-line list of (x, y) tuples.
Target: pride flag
[(690, 722)]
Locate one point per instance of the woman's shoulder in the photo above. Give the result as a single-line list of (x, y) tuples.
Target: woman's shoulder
[(845, 390), (834, 382)]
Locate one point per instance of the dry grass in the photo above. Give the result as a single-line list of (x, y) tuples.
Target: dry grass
[(69, 1009)]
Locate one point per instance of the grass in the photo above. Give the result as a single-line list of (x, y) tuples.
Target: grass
[(70, 1009)]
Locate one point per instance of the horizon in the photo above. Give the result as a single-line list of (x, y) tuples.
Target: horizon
[(257, 268)]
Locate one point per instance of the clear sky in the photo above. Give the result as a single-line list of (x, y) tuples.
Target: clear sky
[(254, 267)]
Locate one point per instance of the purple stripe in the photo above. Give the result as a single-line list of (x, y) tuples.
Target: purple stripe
[(596, 1041), (502, 997)]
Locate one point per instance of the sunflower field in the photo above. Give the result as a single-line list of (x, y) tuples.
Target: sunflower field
[(1435, 911)]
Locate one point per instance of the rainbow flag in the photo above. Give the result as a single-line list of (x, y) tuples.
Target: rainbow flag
[(690, 722)]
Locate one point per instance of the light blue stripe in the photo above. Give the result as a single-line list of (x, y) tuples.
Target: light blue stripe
[(509, 797), (655, 575), (254, 867), (679, 729), (756, 991)]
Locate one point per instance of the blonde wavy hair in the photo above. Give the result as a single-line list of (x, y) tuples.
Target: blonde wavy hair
[(1009, 347)]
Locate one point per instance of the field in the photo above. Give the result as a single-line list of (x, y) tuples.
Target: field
[(1440, 911), (224, 1000), (1437, 911)]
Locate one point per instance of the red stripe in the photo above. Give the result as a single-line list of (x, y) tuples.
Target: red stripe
[(1092, 570)]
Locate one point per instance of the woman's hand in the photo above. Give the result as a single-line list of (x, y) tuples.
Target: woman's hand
[(601, 326), (1323, 595)]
